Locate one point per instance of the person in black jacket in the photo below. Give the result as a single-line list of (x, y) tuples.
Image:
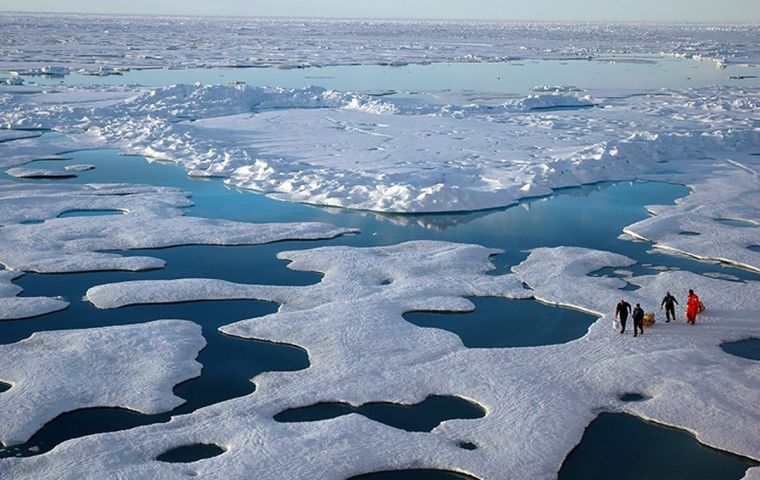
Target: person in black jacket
[(638, 319), (621, 313), (669, 302)]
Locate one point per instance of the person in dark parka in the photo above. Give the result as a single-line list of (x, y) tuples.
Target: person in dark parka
[(638, 319), (621, 313), (669, 302)]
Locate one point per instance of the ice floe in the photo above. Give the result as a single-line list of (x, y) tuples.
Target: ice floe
[(10, 135), (13, 307), (732, 194), (132, 366), (538, 400), (21, 172), (152, 219), (83, 167)]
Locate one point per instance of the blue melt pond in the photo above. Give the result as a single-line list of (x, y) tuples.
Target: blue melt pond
[(422, 417), (623, 447), (749, 348), (500, 322)]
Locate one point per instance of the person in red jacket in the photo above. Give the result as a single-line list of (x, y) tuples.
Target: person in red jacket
[(692, 307)]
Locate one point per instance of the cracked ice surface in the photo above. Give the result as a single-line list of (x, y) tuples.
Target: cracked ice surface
[(132, 366), (103, 44), (14, 307), (538, 400), (343, 149), (152, 219)]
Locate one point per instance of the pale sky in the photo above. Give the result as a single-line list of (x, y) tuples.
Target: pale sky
[(571, 10)]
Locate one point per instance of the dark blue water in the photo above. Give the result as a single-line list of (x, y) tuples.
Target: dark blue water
[(90, 213), (502, 322), (422, 417), (415, 474), (635, 449), (749, 348), (190, 453), (590, 216)]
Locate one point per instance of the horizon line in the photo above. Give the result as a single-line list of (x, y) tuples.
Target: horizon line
[(385, 19)]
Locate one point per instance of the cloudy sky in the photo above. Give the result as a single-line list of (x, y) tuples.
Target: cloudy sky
[(573, 10)]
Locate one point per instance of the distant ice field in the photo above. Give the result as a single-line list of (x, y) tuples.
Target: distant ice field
[(101, 43)]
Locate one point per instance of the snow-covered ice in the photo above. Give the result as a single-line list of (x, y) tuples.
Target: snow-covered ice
[(21, 172), (82, 167), (152, 219), (131, 366), (387, 154), (13, 307), (538, 400), (344, 149), (106, 44), (10, 135)]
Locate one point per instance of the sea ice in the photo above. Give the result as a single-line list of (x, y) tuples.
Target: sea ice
[(152, 219), (33, 40), (21, 172), (10, 135), (538, 400), (14, 307), (732, 194), (342, 149), (79, 167), (131, 366)]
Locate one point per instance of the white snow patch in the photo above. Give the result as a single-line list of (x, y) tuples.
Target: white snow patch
[(80, 167), (21, 172), (13, 307), (132, 366)]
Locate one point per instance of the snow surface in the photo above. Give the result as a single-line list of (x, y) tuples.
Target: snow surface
[(344, 149), (734, 195), (11, 135), (131, 366), (21, 172), (13, 307), (152, 219), (538, 399), (105, 44)]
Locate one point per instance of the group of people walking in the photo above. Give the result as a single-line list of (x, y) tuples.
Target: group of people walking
[(669, 302)]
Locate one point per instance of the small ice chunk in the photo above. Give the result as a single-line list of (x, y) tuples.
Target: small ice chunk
[(80, 167)]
